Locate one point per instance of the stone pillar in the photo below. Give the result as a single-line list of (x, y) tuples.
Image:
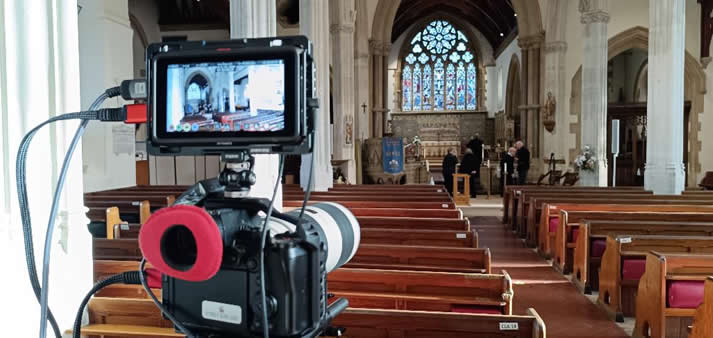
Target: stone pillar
[(555, 52), (595, 19), (665, 172), (342, 30), (314, 23), (231, 92), (361, 72), (256, 19), (530, 126), (379, 53)]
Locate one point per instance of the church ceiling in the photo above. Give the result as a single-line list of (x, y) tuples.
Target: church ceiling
[(494, 18)]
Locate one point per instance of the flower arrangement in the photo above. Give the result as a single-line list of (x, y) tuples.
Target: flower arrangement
[(586, 160)]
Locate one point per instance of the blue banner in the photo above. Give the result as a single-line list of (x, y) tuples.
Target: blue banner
[(392, 154)]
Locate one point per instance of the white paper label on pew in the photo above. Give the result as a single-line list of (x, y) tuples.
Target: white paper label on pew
[(460, 236), (444, 205), (222, 312), (124, 226), (135, 203), (624, 240), (509, 327)]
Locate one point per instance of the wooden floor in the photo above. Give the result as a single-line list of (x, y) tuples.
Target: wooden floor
[(566, 312)]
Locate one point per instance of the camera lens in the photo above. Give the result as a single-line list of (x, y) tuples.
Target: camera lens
[(178, 248)]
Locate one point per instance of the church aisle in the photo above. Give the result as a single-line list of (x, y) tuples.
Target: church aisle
[(566, 312)]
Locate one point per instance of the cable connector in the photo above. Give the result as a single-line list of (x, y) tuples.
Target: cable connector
[(134, 89), (111, 114), (135, 113)]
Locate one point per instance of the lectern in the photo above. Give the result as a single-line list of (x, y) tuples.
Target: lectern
[(461, 198)]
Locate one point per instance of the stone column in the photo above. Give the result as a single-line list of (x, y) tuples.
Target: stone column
[(555, 52), (530, 126), (595, 19), (256, 19), (361, 72), (379, 53), (665, 172), (314, 23), (342, 16)]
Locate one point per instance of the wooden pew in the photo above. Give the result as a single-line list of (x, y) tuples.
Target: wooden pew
[(380, 197), (372, 256), (703, 322), (590, 242), (523, 211), (421, 258), (384, 289), (537, 201), (570, 216), (108, 319), (411, 213), (512, 193), (623, 263), (380, 204), (444, 238), (670, 278)]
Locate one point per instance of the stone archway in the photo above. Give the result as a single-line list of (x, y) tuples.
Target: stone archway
[(694, 91), (513, 99), (529, 22)]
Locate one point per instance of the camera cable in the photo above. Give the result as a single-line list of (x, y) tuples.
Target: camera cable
[(263, 239), (145, 284)]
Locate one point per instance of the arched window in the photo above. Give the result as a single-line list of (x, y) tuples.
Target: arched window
[(439, 71)]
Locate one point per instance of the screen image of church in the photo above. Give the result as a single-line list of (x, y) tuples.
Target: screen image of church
[(225, 97)]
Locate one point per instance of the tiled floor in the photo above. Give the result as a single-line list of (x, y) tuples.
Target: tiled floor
[(566, 312)]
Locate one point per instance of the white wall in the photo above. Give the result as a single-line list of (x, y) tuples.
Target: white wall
[(106, 58), (497, 88)]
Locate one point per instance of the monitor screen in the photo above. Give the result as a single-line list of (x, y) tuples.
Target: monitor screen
[(227, 96)]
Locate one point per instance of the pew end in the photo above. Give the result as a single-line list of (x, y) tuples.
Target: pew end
[(703, 322)]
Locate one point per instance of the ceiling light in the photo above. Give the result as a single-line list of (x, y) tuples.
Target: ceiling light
[(501, 34)]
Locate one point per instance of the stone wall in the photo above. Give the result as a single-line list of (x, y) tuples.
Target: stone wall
[(452, 126)]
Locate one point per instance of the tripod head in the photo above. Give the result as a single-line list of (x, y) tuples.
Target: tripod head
[(238, 175)]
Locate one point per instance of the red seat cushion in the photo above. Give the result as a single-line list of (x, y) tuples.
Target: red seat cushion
[(575, 233), (598, 246), (476, 309), (633, 268), (554, 222), (685, 294)]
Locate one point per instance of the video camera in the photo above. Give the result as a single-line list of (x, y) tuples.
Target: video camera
[(234, 99)]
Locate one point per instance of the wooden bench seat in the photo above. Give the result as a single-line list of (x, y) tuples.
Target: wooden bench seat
[(703, 322), (590, 243), (444, 238), (523, 211), (570, 216), (535, 210), (661, 285), (380, 197), (624, 261), (512, 193), (397, 204), (372, 256), (359, 322)]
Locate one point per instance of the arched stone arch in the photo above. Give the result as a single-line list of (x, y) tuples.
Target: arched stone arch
[(513, 99), (529, 20), (694, 79)]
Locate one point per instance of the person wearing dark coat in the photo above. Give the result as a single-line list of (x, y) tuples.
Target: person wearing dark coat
[(449, 168), (523, 162), (470, 165), (476, 145), (507, 167)]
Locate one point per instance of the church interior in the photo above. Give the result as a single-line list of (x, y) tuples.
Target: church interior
[(480, 168)]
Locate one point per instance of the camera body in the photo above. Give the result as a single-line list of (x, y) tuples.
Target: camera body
[(230, 301)]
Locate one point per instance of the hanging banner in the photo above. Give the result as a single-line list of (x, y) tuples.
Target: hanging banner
[(392, 154)]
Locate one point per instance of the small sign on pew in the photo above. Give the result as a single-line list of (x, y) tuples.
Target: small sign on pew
[(507, 326), (124, 226), (444, 206), (460, 235), (135, 203), (624, 240)]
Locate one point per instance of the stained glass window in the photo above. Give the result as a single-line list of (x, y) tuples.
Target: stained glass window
[(417, 87), (427, 87), (450, 87), (460, 87), (406, 78), (439, 70), (438, 81), (471, 87)]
